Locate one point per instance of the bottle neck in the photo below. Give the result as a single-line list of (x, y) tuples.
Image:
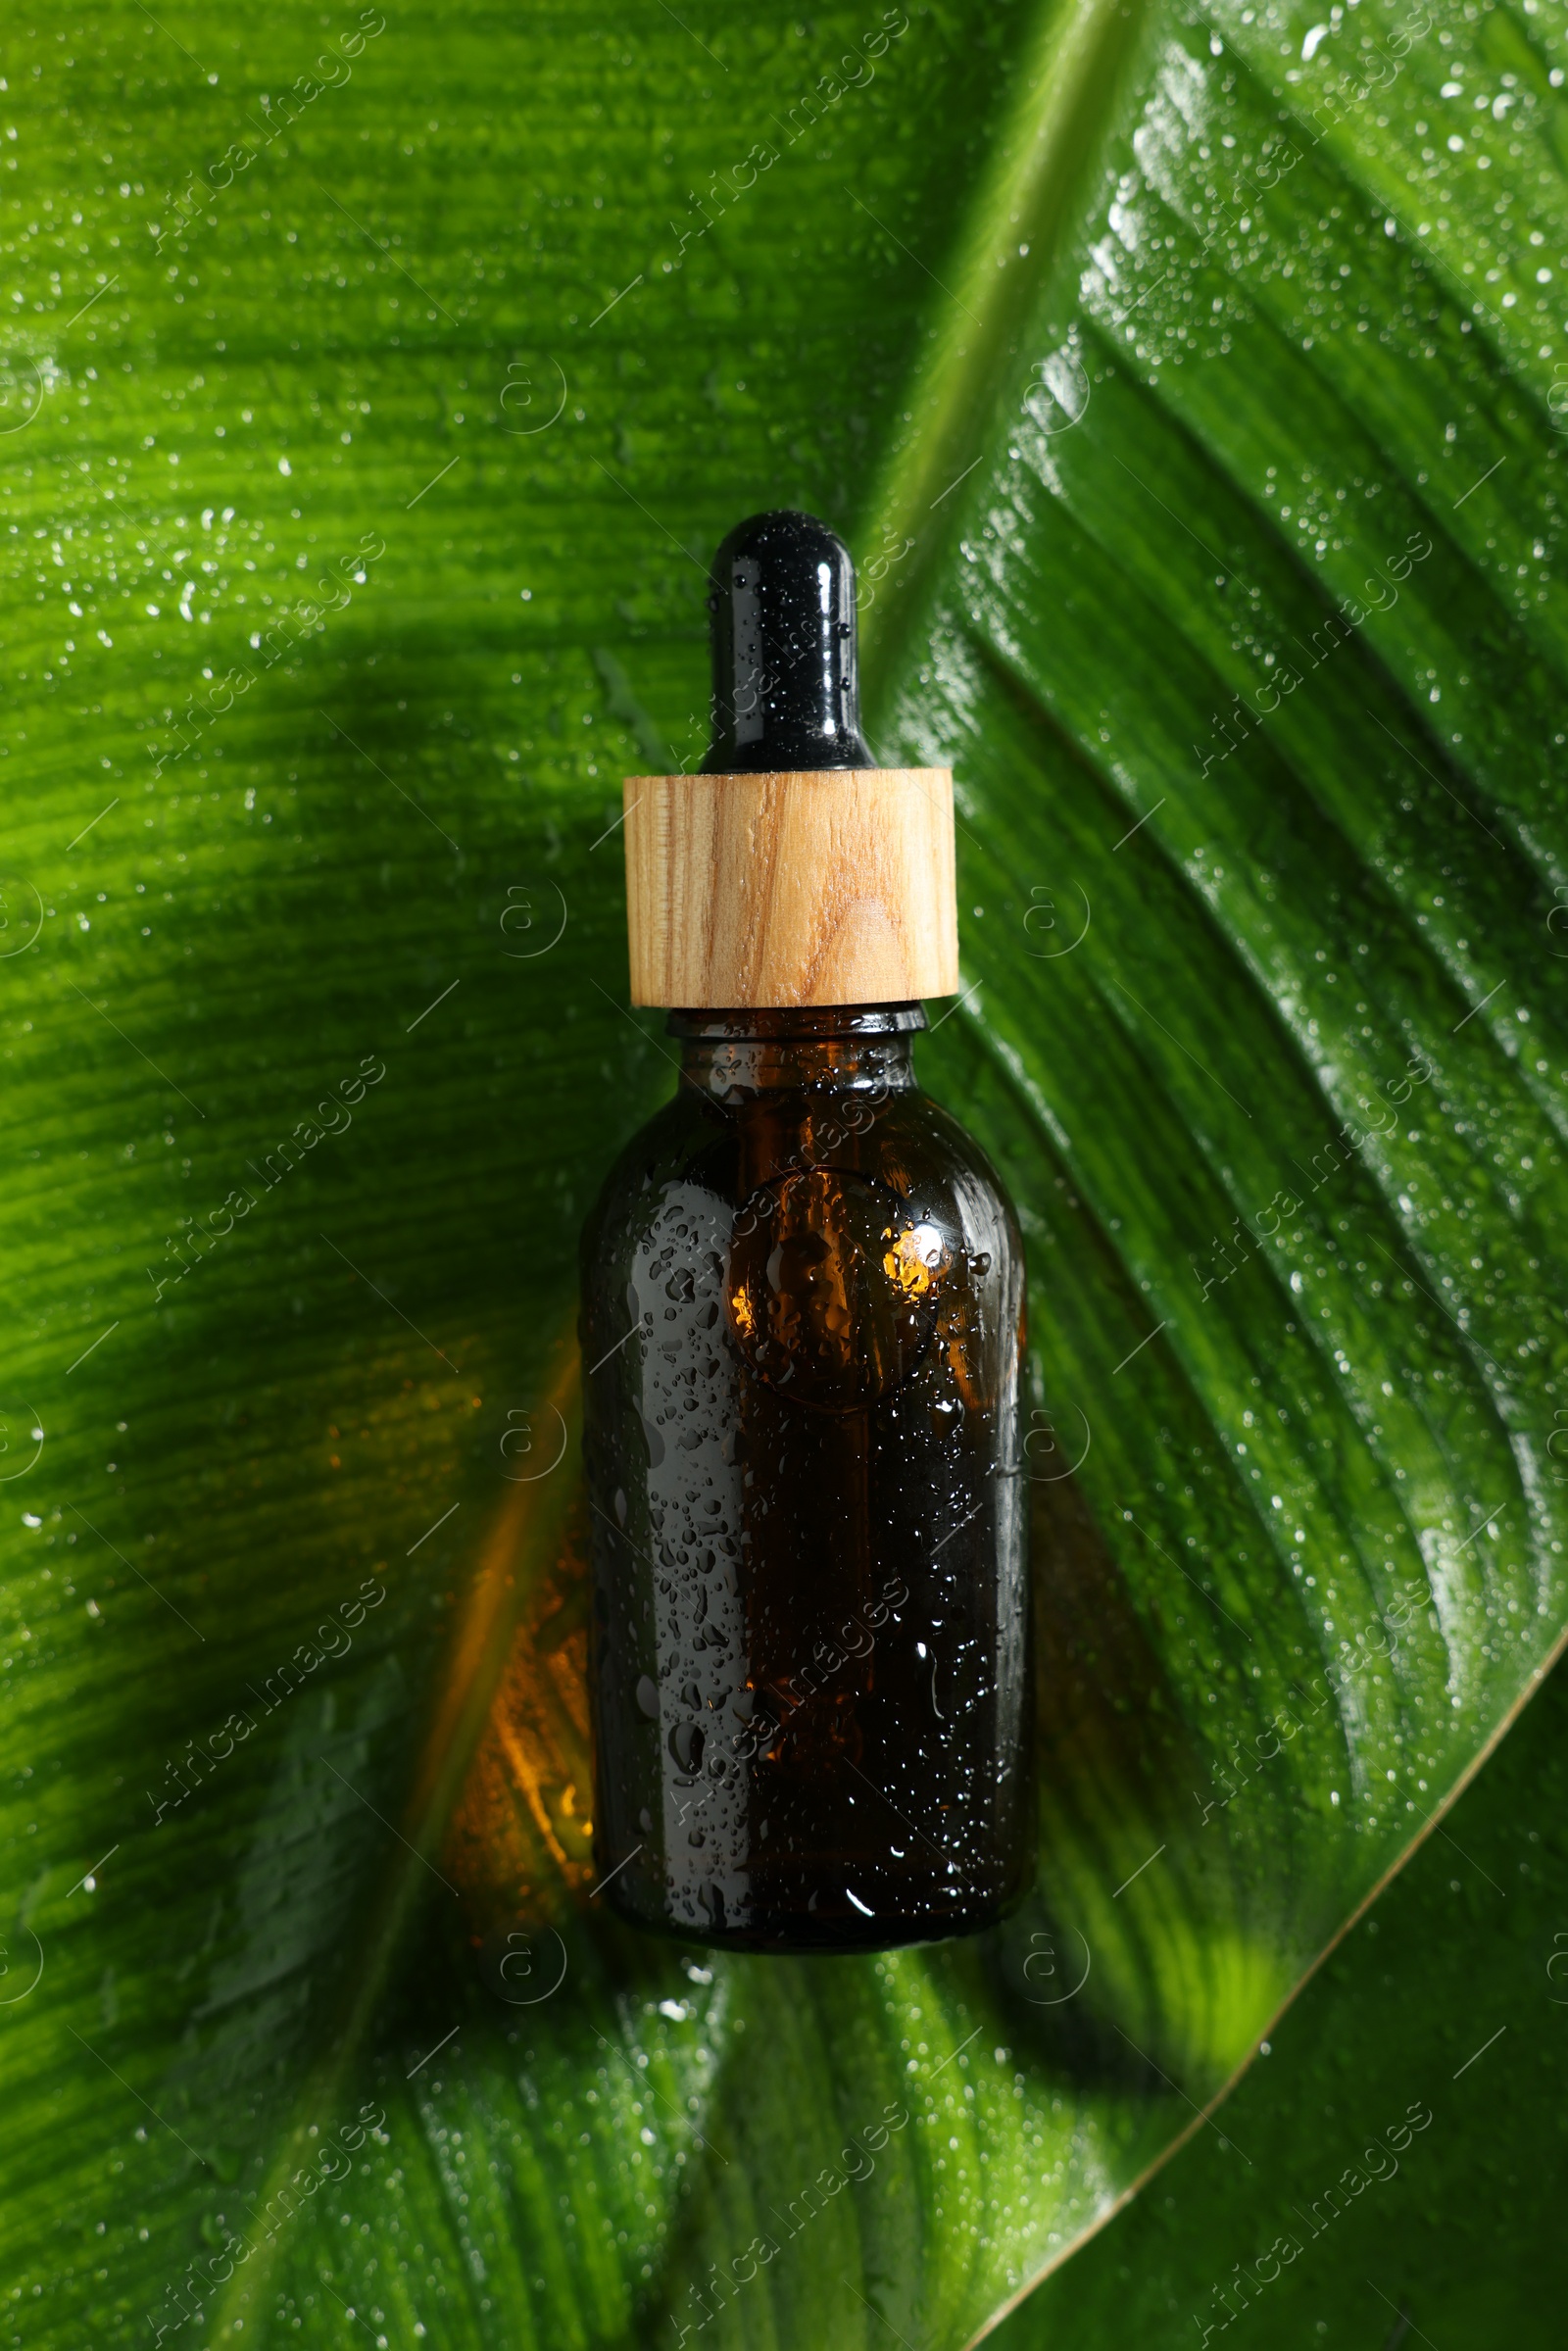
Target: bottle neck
[(735, 1056)]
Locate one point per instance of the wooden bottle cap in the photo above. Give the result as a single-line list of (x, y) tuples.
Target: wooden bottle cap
[(793, 870), (829, 886)]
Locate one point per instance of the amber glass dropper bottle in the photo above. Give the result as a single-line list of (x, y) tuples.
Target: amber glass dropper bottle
[(803, 1329)]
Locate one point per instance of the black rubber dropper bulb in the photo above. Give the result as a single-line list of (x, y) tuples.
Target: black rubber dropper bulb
[(786, 693)]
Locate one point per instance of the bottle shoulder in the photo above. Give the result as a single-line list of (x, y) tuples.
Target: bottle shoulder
[(968, 1161), (652, 1162), (901, 1141)]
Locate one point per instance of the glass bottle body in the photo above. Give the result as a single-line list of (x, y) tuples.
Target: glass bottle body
[(803, 1329)]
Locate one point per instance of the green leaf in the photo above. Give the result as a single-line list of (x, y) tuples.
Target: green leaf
[(314, 922), (1445, 1998)]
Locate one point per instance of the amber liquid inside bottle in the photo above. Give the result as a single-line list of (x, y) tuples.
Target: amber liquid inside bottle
[(803, 1332)]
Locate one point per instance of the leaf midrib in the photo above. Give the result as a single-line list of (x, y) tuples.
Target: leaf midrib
[(1072, 73)]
